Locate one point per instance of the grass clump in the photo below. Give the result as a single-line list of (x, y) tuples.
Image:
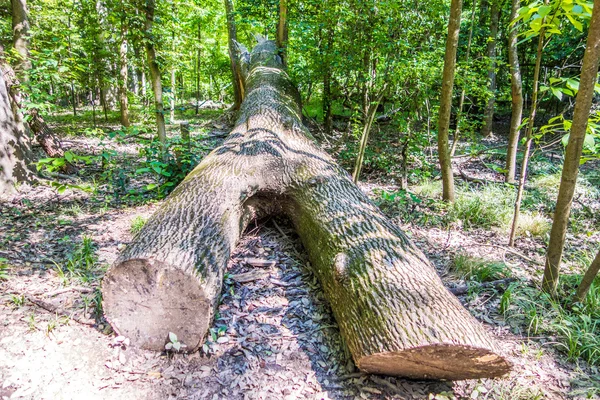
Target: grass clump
[(81, 264), (3, 269), (533, 224), (492, 206), (478, 269), (573, 327), (137, 223)]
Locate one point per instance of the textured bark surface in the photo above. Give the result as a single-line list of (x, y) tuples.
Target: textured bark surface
[(393, 311), (568, 180), (14, 146)]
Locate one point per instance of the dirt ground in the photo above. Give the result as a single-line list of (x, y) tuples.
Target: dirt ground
[(274, 336)]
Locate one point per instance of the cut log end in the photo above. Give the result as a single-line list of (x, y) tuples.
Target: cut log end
[(439, 361), (146, 300)]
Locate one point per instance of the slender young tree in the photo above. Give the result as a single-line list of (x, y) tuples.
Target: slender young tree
[(237, 80), (461, 103), (583, 103), (528, 132), (282, 31), (155, 73), (488, 117), (517, 96), (446, 101), (123, 74), (588, 279)]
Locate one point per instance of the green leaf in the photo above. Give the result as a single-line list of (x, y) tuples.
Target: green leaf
[(544, 10), (172, 337), (151, 186), (565, 140), (589, 143), (69, 156), (578, 25), (557, 92)]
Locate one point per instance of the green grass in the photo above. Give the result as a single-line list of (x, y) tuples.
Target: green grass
[(490, 206), (3, 269), (478, 269), (137, 223), (573, 328), (81, 264)]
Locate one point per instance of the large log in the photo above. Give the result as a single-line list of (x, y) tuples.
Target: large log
[(394, 313)]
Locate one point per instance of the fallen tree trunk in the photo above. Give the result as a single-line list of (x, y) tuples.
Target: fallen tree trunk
[(48, 140), (393, 311)]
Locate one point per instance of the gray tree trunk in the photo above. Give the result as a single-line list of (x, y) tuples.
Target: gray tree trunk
[(14, 145), (394, 313), (20, 25), (237, 79)]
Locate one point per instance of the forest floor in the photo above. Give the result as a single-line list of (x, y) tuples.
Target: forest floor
[(274, 336)]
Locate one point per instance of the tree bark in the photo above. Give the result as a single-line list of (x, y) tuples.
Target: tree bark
[(517, 96), (123, 101), (583, 103), (528, 134), (14, 146), (237, 80), (20, 26), (155, 75), (588, 279), (446, 101), (393, 311), (488, 116), (282, 31)]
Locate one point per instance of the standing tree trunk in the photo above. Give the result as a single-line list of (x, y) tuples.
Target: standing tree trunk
[(583, 103), (237, 79), (394, 313), (155, 75), (461, 103), (14, 146), (20, 26), (446, 101), (327, 115), (282, 31), (123, 76), (198, 65), (528, 134), (588, 279), (488, 116), (517, 96)]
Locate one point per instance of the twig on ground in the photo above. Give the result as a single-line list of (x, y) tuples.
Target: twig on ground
[(464, 289), (516, 253)]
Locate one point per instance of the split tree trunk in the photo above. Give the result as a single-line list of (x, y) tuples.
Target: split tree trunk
[(237, 79), (393, 311)]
